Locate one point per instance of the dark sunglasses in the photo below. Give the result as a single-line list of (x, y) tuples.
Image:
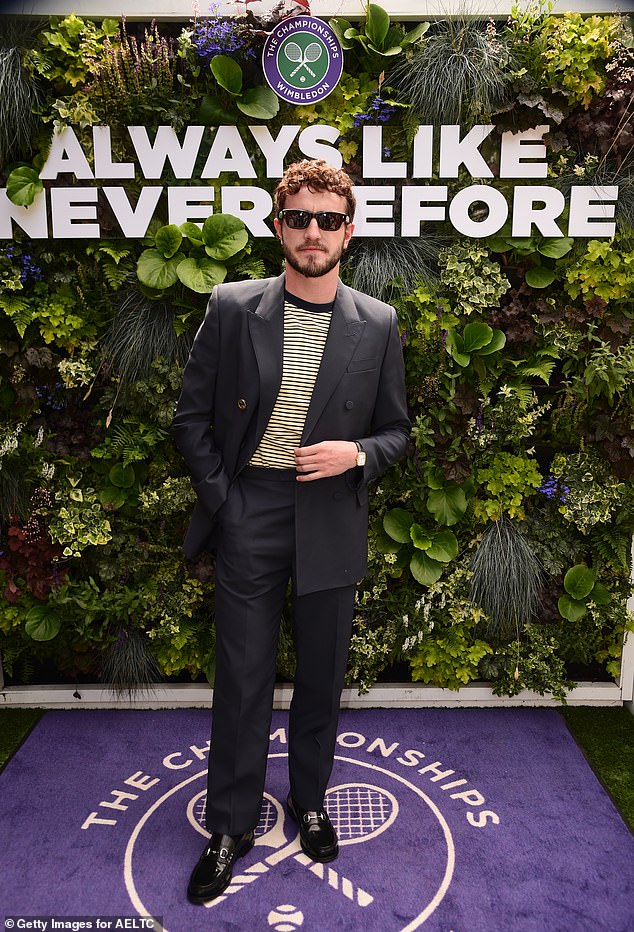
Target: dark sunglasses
[(329, 220)]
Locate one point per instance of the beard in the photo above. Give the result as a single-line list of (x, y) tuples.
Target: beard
[(312, 265)]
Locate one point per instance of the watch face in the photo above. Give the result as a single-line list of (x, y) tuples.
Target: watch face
[(361, 458)]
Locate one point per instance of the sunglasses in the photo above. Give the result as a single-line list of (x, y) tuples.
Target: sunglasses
[(329, 220)]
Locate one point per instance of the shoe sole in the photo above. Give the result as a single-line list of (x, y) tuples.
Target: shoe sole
[(199, 899)]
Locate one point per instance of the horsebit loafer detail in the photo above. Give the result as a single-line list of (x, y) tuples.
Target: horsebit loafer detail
[(316, 833), (213, 872)]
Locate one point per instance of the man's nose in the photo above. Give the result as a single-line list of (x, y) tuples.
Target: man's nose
[(313, 228)]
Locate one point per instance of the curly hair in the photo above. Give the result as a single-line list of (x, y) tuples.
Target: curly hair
[(317, 175)]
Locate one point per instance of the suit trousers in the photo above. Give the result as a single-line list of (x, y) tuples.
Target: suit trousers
[(255, 561)]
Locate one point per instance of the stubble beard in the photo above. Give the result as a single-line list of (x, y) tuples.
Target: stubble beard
[(312, 265)]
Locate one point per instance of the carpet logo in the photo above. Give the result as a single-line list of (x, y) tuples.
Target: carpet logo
[(397, 845), (302, 60)]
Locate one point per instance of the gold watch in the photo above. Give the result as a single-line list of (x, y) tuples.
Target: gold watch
[(360, 460)]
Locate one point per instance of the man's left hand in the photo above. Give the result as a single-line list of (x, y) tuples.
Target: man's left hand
[(328, 458)]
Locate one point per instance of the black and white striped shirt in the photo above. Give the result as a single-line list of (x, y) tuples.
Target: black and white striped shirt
[(305, 331)]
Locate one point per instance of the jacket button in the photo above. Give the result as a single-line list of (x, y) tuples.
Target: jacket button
[(349, 405), (242, 404)]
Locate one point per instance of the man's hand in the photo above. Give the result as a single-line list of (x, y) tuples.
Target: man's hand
[(328, 458)]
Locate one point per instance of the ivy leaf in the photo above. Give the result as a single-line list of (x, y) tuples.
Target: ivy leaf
[(227, 73), (397, 524), (23, 185), (224, 235), (42, 624), (201, 275), (425, 571)]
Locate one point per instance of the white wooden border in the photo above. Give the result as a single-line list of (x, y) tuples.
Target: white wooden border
[(183, 10), (387, 695)]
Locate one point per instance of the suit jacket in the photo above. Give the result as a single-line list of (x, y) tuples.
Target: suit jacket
[(230, 385)]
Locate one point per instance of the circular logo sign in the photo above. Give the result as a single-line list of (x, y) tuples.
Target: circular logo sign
[(302, 60)]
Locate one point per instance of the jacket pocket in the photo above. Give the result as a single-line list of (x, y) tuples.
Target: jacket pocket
[(362, 365)]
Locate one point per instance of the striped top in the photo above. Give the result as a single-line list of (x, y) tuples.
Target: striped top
[(305, 331)]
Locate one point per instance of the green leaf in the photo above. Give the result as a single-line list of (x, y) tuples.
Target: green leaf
[(155, 271), (168, 240), (261, 103), (397, 524), (193, 232), (556, 248), (340, 26), (227, 73), (475, 336), (224, 235), (444, 547), (571, 608), (600, 594), (498, 340), (376, 25), (122, 477), (448, 504), (42, 624), (414, 34), (579, 581), (425, 571), (112, 498), (23, 184), (201, 275), (420, 537), (212, 112), (539, 277)]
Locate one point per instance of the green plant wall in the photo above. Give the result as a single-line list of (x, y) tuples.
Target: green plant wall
[(500, 546)]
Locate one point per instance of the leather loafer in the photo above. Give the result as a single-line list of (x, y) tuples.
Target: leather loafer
[(316, 832), (213, 872)]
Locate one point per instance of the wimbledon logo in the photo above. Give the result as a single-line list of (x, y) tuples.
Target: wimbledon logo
[(302, 60)]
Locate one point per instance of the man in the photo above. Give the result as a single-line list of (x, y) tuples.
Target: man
[(293, 401)]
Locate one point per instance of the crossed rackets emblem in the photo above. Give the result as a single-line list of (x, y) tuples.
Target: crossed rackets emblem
[(308, 57), (358, 812)]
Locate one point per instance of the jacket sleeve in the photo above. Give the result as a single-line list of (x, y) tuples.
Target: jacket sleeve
[(193, 425), (390, 424)]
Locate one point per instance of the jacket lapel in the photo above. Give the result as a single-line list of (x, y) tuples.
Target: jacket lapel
[(344, 333), (266, 326)]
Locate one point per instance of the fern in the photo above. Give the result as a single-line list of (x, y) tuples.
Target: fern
[(251, 268), (131, 441), (116, 275), (612, 546), (19, 311)]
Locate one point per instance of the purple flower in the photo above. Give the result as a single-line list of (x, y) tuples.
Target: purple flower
[(552, 488), (213, 37)]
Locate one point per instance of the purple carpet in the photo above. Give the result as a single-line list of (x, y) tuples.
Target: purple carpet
[(466, 820)]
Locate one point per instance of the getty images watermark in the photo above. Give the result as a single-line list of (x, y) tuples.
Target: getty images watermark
[(75, 923)]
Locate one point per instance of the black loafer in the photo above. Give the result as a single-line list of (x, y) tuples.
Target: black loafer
[(213, 872), (316, 833)]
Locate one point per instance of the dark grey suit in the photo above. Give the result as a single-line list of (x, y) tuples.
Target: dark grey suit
[(313, 532)]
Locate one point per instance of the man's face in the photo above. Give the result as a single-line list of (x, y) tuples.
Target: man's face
[(313, 252)]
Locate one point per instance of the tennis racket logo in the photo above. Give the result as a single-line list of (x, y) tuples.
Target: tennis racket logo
[(358, 811), (311, 54)]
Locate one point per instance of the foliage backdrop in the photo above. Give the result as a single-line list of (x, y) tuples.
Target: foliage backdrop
[(500, 547)]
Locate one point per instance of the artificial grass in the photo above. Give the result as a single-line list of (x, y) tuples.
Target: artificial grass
[(606, 737), (15, 725)]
